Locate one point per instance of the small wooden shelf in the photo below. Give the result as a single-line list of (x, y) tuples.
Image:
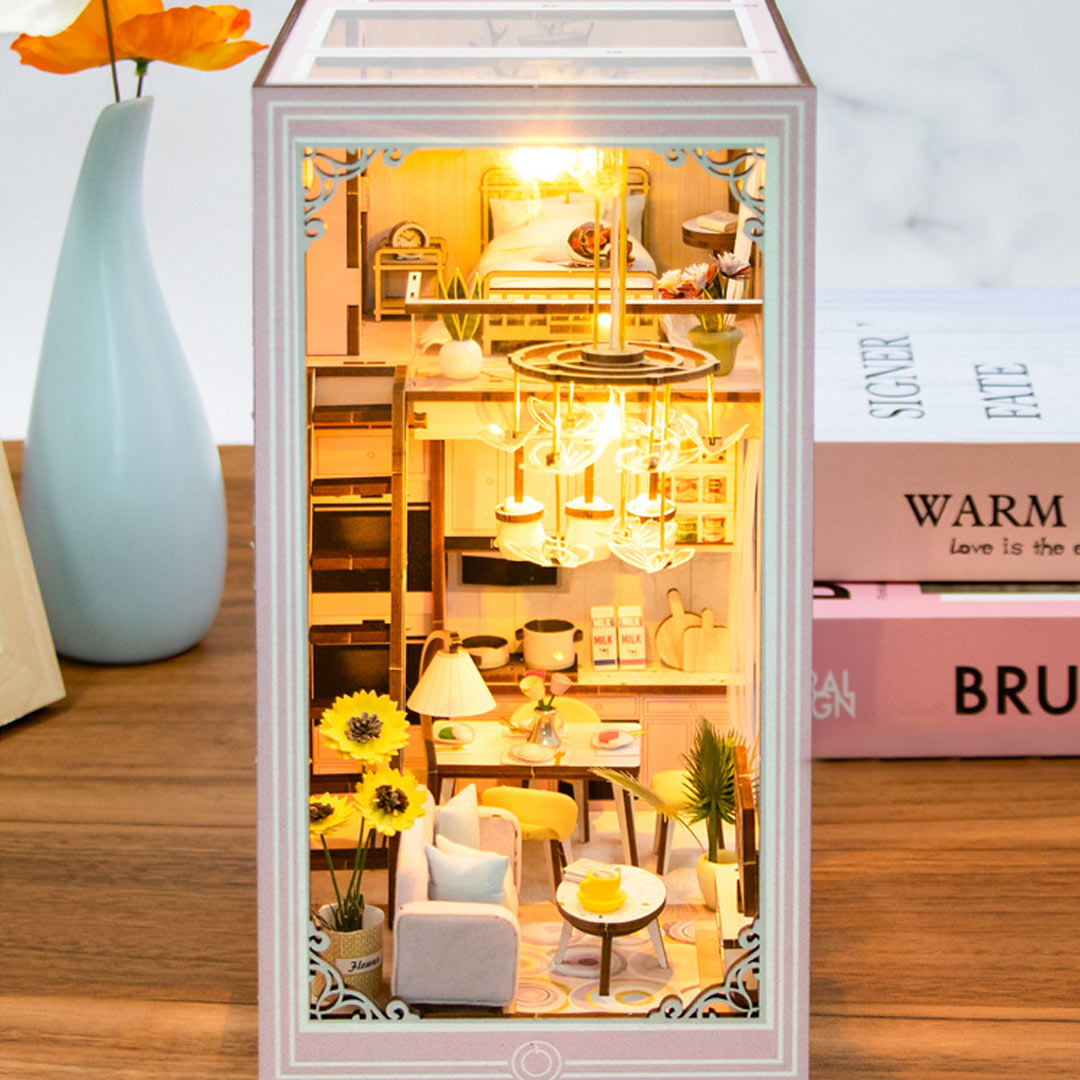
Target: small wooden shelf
[(349, 560), (654, 679), (389, 261)]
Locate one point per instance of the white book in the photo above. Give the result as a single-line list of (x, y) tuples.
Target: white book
[(946, 435)]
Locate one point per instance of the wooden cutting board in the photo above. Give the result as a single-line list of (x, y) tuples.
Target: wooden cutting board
[(706, 647), (669, 634)]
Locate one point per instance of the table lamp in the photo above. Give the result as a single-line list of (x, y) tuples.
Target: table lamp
[(450, 684)]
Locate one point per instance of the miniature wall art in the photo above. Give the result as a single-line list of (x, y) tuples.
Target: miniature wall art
[(534, 654)]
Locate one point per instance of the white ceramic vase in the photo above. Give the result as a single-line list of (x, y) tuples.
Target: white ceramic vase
[(122, 492), (461, 359)]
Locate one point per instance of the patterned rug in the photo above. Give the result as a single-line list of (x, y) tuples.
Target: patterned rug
[(638, 983)]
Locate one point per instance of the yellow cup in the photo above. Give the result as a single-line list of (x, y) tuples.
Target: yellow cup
[(600, 891)]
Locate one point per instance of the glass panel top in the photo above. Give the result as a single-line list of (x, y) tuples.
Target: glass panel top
[(518, 41)]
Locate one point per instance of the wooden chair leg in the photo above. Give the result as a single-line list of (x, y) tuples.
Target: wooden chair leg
[(665, 840), (581, 796), (558, 861)]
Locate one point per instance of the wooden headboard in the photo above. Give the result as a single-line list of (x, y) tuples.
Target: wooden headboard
[(500, 182)]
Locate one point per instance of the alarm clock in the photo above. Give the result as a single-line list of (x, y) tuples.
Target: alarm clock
[(407, 235)]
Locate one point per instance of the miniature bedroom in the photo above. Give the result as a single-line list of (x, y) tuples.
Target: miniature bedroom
[(533, 476)]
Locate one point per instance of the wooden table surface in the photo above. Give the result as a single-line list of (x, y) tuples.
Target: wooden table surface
[(945, 918)]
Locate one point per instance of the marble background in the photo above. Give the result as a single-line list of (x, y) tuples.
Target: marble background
[(948, 156)]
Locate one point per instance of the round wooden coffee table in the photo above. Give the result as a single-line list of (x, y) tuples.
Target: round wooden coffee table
[(645, 899)]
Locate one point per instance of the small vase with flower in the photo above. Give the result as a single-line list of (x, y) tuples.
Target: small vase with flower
[(545, 725), (713, 280)]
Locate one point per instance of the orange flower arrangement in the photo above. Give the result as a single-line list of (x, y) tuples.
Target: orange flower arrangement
[(143, 31)]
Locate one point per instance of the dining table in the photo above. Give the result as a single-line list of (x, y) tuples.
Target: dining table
[(495, 752)]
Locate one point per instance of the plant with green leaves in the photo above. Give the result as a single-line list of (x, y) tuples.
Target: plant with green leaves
[(461, 327), (709, 785)]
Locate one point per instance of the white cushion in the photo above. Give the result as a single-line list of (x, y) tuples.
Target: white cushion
[(509, 893), (459, 819), (478, 878)]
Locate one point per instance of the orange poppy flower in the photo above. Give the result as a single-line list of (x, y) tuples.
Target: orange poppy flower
[(143, 30)]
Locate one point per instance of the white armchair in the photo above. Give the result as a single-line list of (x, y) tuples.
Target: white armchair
[(450, 952)]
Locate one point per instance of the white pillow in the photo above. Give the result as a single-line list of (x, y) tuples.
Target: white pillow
[(507, 214), (459, 819), (509, 896), (477, 878)]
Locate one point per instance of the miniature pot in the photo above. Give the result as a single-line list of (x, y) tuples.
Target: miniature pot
[(723, 344), (548, 644), (357, 954), (706, 875), (461, 359), (488, 651)]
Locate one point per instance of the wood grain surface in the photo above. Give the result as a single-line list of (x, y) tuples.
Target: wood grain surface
[(945, 912)]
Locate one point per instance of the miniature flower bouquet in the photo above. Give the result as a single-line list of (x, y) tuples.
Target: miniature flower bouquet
[(369, 728), (712, 280), (544, 694)]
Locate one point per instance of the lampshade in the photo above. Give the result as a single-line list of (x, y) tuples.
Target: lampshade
[(451, 686)]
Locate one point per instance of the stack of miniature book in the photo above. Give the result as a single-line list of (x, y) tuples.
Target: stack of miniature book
[(947, 523)]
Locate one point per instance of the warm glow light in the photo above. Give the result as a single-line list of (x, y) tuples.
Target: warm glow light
[(603, 320), (548, 163)]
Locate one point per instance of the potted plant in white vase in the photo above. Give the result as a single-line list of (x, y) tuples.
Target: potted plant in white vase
[(709, 787), (461, 357)]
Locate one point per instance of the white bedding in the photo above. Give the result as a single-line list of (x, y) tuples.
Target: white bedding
[(541, 246)]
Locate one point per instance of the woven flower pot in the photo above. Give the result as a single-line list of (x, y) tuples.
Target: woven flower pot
[(357, 954)]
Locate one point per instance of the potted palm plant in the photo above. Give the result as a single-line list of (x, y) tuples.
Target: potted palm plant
[(709, 786), (710, 789)]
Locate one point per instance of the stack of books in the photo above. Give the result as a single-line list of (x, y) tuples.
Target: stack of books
[(579, 869), (947, 523)]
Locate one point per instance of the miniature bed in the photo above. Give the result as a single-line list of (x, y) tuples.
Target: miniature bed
[(526, 257)]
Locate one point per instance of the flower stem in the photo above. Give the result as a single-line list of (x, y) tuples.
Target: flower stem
[(357, 878), (112, 49), (330, 867), (140, 70)]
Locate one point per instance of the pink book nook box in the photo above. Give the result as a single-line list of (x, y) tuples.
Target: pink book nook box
[(533, 342)]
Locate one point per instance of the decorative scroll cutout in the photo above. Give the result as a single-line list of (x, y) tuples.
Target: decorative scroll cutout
[(323, 172), (735, 992), (336, 999), (737, 172)]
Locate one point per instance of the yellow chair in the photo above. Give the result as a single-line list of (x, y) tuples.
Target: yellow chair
[(543, 815), (571, 711), (670, 787)]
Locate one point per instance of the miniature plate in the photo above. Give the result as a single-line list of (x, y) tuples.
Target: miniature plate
[(531, 753), (612, 739), (456, 734)]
